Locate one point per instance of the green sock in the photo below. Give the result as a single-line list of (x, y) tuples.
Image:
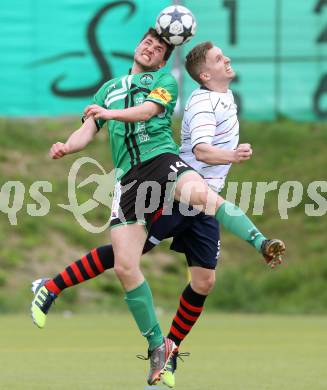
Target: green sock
[(140, 303), (234, 220)]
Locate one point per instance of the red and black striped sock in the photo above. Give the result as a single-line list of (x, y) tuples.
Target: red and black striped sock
[(189, 310), (89, 266)]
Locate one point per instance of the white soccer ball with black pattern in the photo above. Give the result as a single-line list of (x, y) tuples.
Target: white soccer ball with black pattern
[(176, 25)]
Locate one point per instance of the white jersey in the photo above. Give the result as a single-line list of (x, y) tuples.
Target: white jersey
[(211, 118)]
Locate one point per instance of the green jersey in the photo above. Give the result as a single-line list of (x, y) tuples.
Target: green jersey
[(136, 142)]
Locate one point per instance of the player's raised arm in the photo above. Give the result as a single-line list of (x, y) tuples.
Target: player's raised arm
[(78, 140), (143, 112)]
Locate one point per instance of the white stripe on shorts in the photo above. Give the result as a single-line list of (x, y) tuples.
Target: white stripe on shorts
[(154, 240)]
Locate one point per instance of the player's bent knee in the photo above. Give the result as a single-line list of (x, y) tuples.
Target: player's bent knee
[(124, 271), (204, 285)]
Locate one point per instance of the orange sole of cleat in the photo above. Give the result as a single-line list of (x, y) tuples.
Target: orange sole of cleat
[(156, 380)]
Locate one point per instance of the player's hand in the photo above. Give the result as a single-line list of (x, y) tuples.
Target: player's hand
[(242, 153), (58, 150), (97, 112)]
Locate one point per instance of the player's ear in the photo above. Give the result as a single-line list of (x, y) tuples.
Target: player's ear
[(204, 77)]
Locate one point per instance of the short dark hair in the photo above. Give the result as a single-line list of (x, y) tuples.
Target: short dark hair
[(195, 58), (154, 34)]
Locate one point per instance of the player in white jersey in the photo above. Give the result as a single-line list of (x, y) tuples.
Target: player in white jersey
[(210, 118), (209, 144)]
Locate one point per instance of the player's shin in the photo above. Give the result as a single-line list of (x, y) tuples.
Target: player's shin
[(87, 267), (189, 310), (140, 303), (234, 220)]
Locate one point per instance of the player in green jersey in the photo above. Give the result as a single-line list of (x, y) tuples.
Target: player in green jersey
[(143, 149), (135, 142), (147, 100)]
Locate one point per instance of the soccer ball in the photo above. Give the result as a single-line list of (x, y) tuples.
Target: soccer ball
[(176, 25)]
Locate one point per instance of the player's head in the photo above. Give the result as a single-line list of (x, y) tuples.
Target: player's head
[(207, 65), (152, 52)]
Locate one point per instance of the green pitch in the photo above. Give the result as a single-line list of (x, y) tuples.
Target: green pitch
[(228, 352)]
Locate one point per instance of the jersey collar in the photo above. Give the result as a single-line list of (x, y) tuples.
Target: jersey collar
[(205, 88)]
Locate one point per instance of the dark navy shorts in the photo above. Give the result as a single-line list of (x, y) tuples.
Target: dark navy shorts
[(197, 236)]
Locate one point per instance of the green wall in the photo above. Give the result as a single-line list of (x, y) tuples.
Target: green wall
[(55, 54), (278, 49), (58, 53)]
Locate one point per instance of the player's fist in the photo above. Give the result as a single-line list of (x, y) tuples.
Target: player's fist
[(242, 153), (58, 150)]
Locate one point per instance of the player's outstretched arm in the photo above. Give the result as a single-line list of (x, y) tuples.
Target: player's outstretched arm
[(78, 140), (143, 112), (213, 155)]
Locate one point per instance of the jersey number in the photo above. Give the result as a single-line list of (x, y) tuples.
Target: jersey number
[(179, 164)]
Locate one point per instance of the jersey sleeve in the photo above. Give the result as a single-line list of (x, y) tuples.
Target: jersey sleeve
[(99, 99), (202, 123), (164, 92)]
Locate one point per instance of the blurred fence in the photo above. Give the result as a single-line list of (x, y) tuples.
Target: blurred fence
[(55, 55)]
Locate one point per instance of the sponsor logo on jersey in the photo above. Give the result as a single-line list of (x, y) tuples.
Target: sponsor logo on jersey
[(146, 79), (161, 94)]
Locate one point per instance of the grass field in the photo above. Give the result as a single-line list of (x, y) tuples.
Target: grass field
[(228, 352)]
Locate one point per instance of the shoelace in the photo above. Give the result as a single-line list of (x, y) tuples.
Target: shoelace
[(178, 355), (172, 362), (142, 357)]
